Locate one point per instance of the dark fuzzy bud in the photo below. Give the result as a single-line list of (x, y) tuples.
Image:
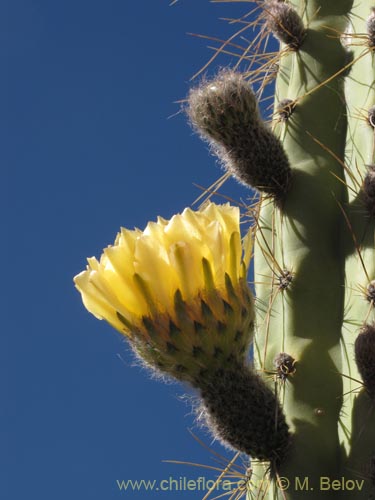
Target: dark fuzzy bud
[(369, 190), (371, 28), (285, 365), (243, 412), (364, 349), (225, 112), (285, 109), (285, 23)]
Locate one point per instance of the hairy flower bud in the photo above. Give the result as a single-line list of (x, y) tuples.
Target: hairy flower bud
[(243, 412), (225, 112)]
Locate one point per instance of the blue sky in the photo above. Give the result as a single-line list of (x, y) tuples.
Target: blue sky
[(88, 89)]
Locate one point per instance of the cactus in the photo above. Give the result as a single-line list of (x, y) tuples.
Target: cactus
[(314, 248), (304, 408)]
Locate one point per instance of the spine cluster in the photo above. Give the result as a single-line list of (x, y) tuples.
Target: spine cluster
[(285, 23)]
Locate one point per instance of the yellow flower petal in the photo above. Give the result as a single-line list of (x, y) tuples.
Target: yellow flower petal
[(119, 270), (153, 265), (247, 244), (188, 264), (95, 302)]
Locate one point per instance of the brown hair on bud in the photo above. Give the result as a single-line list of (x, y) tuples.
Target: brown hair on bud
[(285, 23), (364, 348), (242, 411)]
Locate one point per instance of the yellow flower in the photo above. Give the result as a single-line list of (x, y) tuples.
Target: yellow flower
[(177, 290)]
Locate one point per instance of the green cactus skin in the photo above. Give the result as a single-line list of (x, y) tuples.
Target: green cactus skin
[(315, 255)]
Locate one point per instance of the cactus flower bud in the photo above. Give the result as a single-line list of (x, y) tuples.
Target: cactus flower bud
[(285, 23), (225, 112), (241, 410)]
